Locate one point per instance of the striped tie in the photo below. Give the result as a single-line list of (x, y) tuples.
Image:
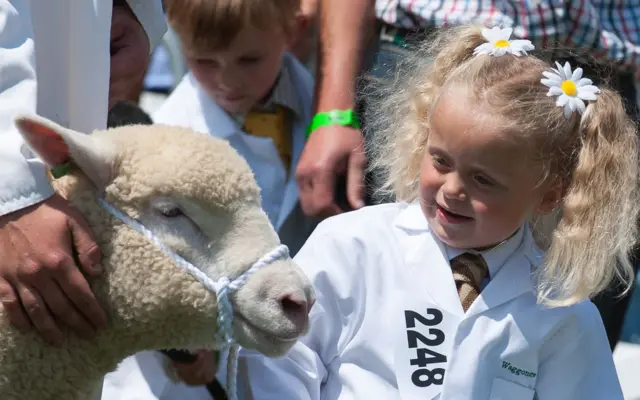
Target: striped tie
[(468, 272)]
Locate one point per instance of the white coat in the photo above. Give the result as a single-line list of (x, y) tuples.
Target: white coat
[(388, 324), (65, 44), (143, 376)]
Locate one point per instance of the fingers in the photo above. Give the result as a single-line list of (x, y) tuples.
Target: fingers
[(327, 155), (77, 290), (355, 179), (39, 315), (12, 306), (88, 251), (38, 270), (317, 195), (73, 282), (62, 308)]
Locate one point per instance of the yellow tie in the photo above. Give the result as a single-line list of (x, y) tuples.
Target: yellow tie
[(468, 272), (274, 125)]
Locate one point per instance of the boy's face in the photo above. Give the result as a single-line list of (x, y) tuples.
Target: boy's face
[(238, 76)]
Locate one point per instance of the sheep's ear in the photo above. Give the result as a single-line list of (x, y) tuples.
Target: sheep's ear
[(57, 145)]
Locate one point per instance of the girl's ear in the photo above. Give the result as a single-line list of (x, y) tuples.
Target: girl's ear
[(57, 145), (551, 198)]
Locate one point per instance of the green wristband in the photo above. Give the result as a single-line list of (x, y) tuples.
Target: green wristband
[(333, 117)]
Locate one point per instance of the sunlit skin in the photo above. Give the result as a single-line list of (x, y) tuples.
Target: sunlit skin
[(476, 186)]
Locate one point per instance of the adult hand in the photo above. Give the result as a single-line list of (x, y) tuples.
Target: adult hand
[(331, 151), (129, 55), (39, 280), (201, 372)]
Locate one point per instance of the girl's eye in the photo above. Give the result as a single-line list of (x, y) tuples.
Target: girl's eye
[(438, 161), (171, 212)]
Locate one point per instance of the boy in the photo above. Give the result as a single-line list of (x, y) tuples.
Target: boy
[(243, 87)]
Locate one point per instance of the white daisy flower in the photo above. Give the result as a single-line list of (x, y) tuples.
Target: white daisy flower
[(499, 43), (570, 87)]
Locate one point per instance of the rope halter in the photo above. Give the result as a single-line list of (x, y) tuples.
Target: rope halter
[(223, 288)]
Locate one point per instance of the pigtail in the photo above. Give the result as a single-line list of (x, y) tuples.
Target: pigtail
[(598, 228), (396, 122)]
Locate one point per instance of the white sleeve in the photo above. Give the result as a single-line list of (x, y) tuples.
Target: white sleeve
[(304, 372), (23, 179), (578, 363), (151, 17)]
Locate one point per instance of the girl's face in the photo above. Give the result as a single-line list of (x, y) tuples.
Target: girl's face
[(476, 185)]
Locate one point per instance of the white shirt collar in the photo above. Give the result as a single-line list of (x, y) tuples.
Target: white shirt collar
[(412, 218), (495, 257)]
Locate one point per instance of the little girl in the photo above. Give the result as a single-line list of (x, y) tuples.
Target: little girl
[(447, 293)]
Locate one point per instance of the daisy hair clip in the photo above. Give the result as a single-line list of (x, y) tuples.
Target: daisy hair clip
[(499, 43), (570, 87)]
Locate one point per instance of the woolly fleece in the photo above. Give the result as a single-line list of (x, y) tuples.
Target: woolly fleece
[(150, 302)]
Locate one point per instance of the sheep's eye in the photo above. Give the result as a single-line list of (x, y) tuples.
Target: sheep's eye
[(170, 212)]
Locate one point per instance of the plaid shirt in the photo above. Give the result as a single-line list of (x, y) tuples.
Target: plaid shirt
[(608, 30)]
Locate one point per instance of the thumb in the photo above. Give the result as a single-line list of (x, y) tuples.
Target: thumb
[(85, 245), (355, 178)]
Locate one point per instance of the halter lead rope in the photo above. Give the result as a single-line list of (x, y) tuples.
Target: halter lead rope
[(222, 288)]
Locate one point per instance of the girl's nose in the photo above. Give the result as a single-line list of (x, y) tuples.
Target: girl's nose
[(453, 188)]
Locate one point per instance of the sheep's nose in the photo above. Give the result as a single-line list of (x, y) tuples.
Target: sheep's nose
[(296, 307)]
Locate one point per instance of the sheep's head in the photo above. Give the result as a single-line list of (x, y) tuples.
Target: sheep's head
[(199, 197)]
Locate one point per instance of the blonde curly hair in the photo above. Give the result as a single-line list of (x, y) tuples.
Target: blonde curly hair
[(593, 156)]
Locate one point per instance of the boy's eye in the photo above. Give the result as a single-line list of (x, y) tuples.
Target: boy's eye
[(206, 63), (483, 180), (249, 60)]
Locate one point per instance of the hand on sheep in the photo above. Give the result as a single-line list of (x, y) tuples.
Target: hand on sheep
[(129, 54), (331, 151), (199, 373), (39, 279)]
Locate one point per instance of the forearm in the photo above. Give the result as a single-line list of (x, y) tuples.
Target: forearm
[(344, 29)]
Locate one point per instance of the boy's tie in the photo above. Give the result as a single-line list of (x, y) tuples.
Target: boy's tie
[(468, 272), (274, 125)]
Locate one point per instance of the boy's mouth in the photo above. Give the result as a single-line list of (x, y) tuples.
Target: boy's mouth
[(450, 216)]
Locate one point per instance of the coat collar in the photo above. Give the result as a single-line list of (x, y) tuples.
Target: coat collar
[(427, 258)]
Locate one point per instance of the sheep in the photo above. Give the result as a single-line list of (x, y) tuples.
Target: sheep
[(199, 197)]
